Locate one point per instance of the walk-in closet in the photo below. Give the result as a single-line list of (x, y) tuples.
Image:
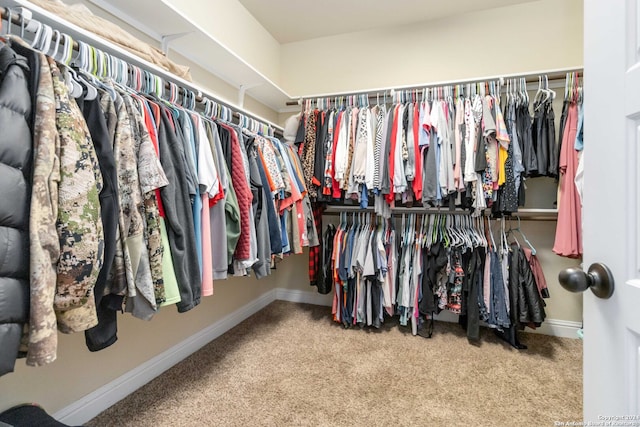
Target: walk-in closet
[(329, 213)]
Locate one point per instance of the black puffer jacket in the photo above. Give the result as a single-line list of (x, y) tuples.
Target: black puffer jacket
[(15, 195)]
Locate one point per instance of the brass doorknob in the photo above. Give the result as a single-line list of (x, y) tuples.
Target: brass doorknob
[(599, 279)]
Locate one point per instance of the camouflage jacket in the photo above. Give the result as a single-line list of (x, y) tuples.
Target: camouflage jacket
[(150, 176), (44, 245), (79, 223)]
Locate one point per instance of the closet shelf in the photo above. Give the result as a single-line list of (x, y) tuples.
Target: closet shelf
[(524, 213), (197, 45), (59, 23)]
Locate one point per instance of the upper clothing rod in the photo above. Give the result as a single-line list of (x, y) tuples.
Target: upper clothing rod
[(525, 213), (77, 33), (530, 77)]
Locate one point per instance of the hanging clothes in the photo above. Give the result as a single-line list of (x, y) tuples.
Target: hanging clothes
[(568, 240), (469, 150), (131, 197), (439, 262)]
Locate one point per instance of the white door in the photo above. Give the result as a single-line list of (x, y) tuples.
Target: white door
[(612, 208)]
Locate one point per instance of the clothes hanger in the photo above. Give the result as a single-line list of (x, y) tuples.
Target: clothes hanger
[(547, 94), (465, 242), (511, 231), (38, 33), (84, 75), (443, 232), (407, 231), (467, 232), (538, 98), (403, 229), (109, 69), (101, 68), (159, 88), (418, 231), (457, 240), (413, 231), (503, 236), (481, 228), (475, 236), (552, 93), (45, 39), (74, 84), (437, 238), (426, 243), (507, 93), (473, 227), (56, 44), (493, 242), (453, 238), (514, 92), (112, 68), (207, 107), (422, 219), (7, 30), (533, 250)]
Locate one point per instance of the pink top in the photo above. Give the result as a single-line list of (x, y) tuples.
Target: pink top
[(569, 229), (207, 263)]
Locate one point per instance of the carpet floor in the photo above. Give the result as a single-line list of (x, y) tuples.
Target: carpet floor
[(290, 365)]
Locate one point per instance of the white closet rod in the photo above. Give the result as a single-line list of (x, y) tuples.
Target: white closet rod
[(553, 74), (524, 213), (42, 16)]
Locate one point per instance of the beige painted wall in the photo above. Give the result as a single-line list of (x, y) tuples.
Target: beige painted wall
[(77, 372), (540, 35)]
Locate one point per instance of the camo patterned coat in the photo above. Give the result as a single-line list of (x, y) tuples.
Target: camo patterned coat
[(150, 176), (43, 237), (78, 224)]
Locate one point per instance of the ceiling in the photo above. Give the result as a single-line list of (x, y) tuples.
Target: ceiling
[(297, 20)]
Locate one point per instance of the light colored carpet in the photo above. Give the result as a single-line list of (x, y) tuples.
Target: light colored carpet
[(290, 365)]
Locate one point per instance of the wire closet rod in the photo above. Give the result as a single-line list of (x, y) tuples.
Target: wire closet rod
[(524, 214), (131, 59), (530, 77)]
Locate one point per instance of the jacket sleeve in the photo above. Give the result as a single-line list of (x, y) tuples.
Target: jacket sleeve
[(44, 244), (179, 218), (533, 311), (15, 161)]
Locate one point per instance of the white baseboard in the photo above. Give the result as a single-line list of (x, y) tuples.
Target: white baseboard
[(92, 404), (306, 297), (553, 327), (558, 328)]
